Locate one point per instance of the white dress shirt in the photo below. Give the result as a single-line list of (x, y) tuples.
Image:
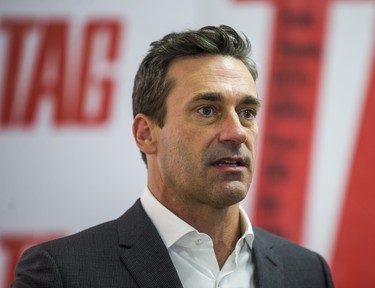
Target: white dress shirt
[(192, 252)]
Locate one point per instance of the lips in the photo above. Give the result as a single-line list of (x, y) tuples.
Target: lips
[(229, 162)]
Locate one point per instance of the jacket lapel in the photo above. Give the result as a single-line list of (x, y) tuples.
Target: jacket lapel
[(144, 254), (143, 251), (268, 268)]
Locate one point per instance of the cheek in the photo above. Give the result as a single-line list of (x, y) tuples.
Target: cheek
[(253, 137), (255, 141), (175, 143)]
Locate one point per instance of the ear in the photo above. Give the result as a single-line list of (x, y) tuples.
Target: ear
[(144, 132)]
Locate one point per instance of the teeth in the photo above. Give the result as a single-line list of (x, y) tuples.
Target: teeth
[(228, 163)]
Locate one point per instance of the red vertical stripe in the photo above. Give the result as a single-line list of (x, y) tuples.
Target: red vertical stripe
[(355, 246), (290, 111)]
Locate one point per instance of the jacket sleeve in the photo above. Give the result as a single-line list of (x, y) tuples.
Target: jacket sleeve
[(37, 268)]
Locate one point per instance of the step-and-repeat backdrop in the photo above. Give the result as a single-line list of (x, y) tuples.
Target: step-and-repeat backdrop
[(67, 157)]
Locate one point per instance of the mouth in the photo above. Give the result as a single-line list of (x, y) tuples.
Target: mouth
[(235, 163)]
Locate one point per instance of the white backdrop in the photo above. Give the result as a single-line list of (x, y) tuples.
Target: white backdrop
[(59, 179)]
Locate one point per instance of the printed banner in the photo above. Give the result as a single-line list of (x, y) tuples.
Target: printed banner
[(67, 157)]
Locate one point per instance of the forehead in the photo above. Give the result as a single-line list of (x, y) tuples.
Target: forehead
[(223, 75)]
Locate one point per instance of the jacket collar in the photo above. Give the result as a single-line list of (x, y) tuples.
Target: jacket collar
[(143, 252), (268, 267)]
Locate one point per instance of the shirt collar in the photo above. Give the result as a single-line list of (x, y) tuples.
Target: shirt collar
[(246, 228), (171, 228)]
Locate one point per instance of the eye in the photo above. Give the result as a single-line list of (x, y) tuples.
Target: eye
[(248, 114), (206, 111)]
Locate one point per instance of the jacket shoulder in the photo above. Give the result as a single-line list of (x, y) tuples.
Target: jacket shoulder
[(299, 266), (89, 257), (278, 243)]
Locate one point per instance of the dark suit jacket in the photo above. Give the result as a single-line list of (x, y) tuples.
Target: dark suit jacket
[(128, 252)]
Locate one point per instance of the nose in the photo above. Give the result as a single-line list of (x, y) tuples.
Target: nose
[(232, 130)]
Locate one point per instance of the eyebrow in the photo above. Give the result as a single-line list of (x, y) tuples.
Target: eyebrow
[(216, 97)]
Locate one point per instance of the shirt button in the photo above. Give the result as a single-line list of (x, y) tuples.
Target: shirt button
[(199, 241)]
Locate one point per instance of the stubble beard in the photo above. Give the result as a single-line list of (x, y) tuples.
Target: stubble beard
[(204, 188)]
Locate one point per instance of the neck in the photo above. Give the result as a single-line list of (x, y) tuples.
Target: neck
[(224, 230), (222, 225)]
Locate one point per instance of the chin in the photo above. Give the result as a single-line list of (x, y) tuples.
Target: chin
[(230, 196)]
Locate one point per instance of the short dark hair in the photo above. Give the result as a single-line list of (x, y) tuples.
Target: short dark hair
[(151, 85)]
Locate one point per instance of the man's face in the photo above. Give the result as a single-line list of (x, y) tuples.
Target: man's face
[(206, 148)]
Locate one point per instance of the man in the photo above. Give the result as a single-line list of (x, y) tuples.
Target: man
[(195, 105)]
